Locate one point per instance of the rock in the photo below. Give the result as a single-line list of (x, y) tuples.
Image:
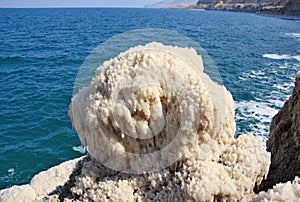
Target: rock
[(18, 193), (289, 191), (158, 128), (284, 141), (150, 106), (270, 7), (42, 184), (47, 181), (231, 176)]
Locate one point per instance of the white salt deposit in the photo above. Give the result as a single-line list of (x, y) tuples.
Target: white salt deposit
[(149, 107), (153, 106)]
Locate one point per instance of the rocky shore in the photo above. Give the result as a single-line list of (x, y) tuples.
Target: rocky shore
[(213, 165), (284, 141), (289, 8)]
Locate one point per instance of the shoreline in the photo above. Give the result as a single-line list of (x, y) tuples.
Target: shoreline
[(285, 17)]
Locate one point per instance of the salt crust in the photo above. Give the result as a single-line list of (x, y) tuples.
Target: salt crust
[(282, 192), (42, 184), (230, 177), (213, 165)]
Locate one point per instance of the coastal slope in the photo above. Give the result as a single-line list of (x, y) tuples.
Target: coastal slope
[(271, 7)]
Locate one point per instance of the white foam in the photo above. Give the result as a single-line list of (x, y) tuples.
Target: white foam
[(297, 57), (79, 149), (262, 114), (282, 57), (254, 74), (295, 35), (259, 110), (11, 171), (284, 86), (277, 57)]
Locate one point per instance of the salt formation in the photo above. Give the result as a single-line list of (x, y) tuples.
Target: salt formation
[(150, 106), (289, 191), (153, 111)]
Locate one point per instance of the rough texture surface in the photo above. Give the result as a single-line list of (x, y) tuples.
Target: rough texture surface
[(42, 184), (230, 176), (289, 191), (18, 193), (151, 106), (284, 141), (144, 99)]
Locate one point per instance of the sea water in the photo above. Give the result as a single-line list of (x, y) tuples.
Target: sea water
[(42, 50)]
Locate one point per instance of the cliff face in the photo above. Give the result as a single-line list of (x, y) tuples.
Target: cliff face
[(284, 141), (273, 7), (292, 8)]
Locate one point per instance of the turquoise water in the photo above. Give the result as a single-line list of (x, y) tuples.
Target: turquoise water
[(42, 50)]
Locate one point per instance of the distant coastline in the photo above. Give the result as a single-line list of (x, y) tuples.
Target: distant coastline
[(284, 8), (285, 17)]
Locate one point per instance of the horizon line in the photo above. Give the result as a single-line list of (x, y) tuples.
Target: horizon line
[(74, 7)]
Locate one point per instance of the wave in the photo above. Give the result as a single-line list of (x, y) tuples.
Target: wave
[(257, 116), (11, 171), (295, 35), (282, 57)]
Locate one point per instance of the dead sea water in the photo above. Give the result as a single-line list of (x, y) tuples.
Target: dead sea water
[(42, 50)]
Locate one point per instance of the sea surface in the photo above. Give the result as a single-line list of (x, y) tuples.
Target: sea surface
[(42, 50)]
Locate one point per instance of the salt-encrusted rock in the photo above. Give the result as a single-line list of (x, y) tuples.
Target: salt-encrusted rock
[(156, 99), (289, 191), (151, 106), (231, 176), (41, 185), (18, 193), (284, 141), (47, 181)]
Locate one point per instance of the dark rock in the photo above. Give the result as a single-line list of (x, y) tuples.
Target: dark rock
[(270, 7), (284, 141)]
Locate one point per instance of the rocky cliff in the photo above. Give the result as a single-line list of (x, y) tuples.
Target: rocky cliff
[(284, 141), (272, 7)]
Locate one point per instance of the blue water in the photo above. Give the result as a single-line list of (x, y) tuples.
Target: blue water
[(41, 51)]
